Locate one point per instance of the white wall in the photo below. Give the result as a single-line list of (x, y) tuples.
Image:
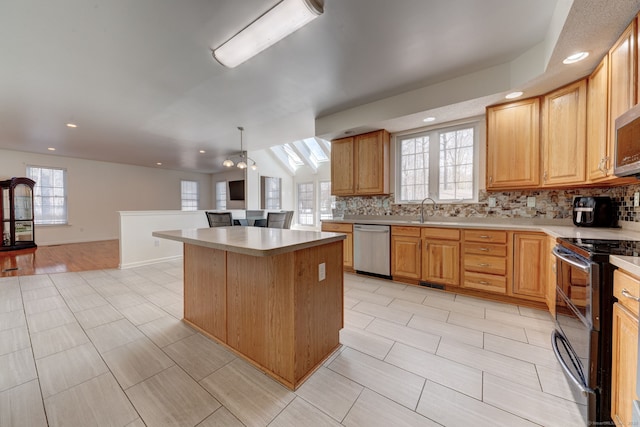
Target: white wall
[(267, 166), (98, 190), (233, 174)]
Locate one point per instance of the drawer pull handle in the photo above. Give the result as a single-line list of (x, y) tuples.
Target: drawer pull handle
[(484, 236), (483, 264), (629, 295), (483, 249), (482, 282)]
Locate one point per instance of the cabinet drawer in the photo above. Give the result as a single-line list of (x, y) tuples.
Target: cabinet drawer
[(485, 249), (441, 233), (485, 264), (623, 281), (338, 228), (492, 236), (485, 282), (399, 230)]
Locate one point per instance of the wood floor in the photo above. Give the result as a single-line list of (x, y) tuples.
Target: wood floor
[(60, 258)]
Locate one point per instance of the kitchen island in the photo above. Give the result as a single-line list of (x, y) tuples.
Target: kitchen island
[(273, 296)]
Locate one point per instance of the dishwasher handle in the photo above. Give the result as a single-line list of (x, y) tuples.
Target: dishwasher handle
[(370, 230)]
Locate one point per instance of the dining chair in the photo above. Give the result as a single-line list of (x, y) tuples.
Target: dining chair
[(219, 219), (276, 219)]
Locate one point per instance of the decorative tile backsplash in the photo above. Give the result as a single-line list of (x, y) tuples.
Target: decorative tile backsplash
[(550, 204)]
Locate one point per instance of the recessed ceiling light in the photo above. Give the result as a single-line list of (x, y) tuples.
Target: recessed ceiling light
[(202, 151), (159, 163), (51, 149), (513, 95), (429, 119), (575, 57), (72, 125)]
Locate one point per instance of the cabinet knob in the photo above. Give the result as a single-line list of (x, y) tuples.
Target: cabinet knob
[(544, 177), (491, 180), (602, 166)]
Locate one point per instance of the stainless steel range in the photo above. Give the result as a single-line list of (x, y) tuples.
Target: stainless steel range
[(584, 303)]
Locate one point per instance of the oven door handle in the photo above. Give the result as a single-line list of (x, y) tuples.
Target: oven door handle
[(555, 336), (576, 262)]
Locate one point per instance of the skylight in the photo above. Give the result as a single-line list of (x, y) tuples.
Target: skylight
[(305, 152)]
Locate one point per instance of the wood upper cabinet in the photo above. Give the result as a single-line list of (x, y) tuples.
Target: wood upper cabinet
[(372, 163), (622, 76), (564, 144), (360, 164), (513, 145), (441, 256), (342, 165), (406, 252), (599, 145), (530, 266)]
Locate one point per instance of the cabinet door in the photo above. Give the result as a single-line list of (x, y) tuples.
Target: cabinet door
[(347, 251), (551, 276), (342, 165), (564, 129), (513, 145), (405, 257), (624, 365), (622, 76), (529, 266), (441, 262), (599, 147), (372, 163)]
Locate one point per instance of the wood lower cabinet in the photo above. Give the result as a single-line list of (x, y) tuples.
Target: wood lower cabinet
[(550, 293), (406, 252), (624, 350), (529, 266), (441, 256), (347, 244), (564, 144), (513, 145), (485, 260)]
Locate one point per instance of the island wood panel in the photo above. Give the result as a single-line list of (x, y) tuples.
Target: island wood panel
[(319, 313), (205, 299), (260, 316), (280, 315)]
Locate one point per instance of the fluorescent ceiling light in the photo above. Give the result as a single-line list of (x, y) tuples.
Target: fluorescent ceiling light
[(280, 21)]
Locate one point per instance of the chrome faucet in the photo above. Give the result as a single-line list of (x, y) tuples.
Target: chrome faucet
[(435, 206)]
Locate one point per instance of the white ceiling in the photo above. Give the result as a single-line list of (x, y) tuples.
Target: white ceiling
[(138, 78)]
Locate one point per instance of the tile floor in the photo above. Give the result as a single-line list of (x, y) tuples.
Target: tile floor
[(107, 348)]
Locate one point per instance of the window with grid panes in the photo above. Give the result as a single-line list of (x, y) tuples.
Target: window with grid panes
[(305, 203), (49, 194), (189, 195), (439, 163), (221, 195)]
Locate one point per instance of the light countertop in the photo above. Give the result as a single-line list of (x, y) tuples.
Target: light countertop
[(555, 228), (254, 241)]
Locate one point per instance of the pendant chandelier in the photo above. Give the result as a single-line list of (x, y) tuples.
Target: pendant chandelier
[(243, 159)]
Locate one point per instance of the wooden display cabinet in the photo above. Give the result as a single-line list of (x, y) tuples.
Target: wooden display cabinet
[(16, 208)]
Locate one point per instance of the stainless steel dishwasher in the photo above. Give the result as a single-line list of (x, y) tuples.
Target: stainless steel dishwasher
[(372, 249)]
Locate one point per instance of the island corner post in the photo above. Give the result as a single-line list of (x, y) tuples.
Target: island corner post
[(272, 307)]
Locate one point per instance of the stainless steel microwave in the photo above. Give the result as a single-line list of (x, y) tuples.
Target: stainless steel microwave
[(627, 148)]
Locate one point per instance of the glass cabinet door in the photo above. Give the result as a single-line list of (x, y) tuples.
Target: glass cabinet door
[(22, 201), (5, 225)]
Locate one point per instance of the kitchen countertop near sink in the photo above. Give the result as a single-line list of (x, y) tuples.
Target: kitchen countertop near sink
[(553, 227)]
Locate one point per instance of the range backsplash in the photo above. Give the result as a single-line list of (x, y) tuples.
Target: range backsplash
[(550, 204)]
